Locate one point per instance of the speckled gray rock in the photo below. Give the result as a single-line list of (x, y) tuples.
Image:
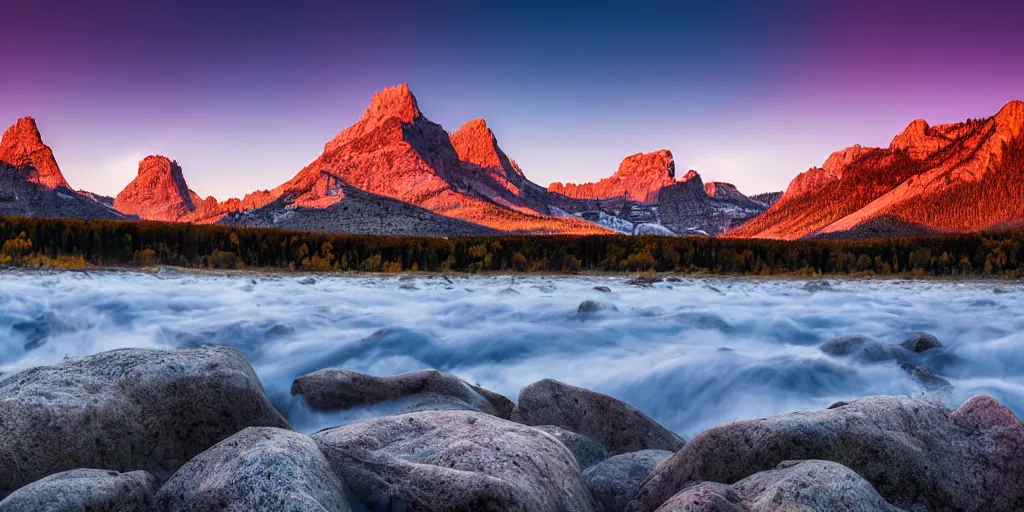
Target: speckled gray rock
[(795, 485), (925, 377), (912, 450), (429, 390), (126, 410), (614, 481), (613, 423), (260, 469), (586, 450), (921, 342), (79, 490), (453, 460), (864, 348), (589, 307)]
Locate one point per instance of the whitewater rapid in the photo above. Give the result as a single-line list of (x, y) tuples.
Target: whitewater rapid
[(691, 354)]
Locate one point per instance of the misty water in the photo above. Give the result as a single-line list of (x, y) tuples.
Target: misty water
[(691, 354)]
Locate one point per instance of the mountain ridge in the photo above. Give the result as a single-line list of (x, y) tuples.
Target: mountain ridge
[(955, 177)]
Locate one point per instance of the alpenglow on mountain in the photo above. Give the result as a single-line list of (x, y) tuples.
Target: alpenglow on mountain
[(946, 178), (395, 172)]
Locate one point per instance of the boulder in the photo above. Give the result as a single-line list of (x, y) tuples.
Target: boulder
[(705, 497), (429, 390), (921, 342), (615, 424), (591, 306), (258, 469), (925, 377), (603, 289), (453, 460), (864, 348), (912, 450), (794, 485), (126, 410), (586, 450), (614, 481), (95, 490), (645, 280)]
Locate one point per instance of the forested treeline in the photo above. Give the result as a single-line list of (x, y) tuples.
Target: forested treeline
[(77, 243)]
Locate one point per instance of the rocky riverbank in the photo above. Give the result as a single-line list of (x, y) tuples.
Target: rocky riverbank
[(193, 429)]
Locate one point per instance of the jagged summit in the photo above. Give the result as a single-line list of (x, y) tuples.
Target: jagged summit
[(22, 145), (397, 101), (639, 178), (158, 192), (476, 144), (1010, 119)]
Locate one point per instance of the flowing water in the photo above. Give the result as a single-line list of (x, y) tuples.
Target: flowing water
[(691, 354)]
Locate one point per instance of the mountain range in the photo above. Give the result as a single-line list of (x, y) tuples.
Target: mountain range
[(395, 172)]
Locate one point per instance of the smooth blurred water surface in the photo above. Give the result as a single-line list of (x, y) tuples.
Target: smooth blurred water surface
[(691, 354)]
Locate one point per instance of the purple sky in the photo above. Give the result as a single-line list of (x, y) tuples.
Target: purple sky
[(243, 95)]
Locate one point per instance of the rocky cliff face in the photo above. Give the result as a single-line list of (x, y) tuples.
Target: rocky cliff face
[(158, 192), (491, 173), (31, 183), (944, 178), (639, 178)]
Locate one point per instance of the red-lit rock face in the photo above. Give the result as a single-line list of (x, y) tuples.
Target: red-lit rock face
[(944, 178), (22, 146), (158, 192), (396, 152), (640, 177), (476, 144)]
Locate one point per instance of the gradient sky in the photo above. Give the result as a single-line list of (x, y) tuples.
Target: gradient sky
[(244, 94)]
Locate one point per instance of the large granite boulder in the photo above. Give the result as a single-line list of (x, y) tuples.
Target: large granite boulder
[(430, 390), (260, 469), (617, 425), (587, 451), (93, 490), (794, 485), (921, 342), (864, 348), (126, 410), (451, 461), (913, 451), (614, 481)]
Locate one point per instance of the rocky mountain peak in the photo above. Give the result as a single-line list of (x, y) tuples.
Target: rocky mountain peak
[(22, 145), (917, 140), (158, 192), (658, 166), (160, 165), (475, 143), (24, 132), (395, 101), (838, 160), (1010, 119), (720, 189), (639, 178)]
